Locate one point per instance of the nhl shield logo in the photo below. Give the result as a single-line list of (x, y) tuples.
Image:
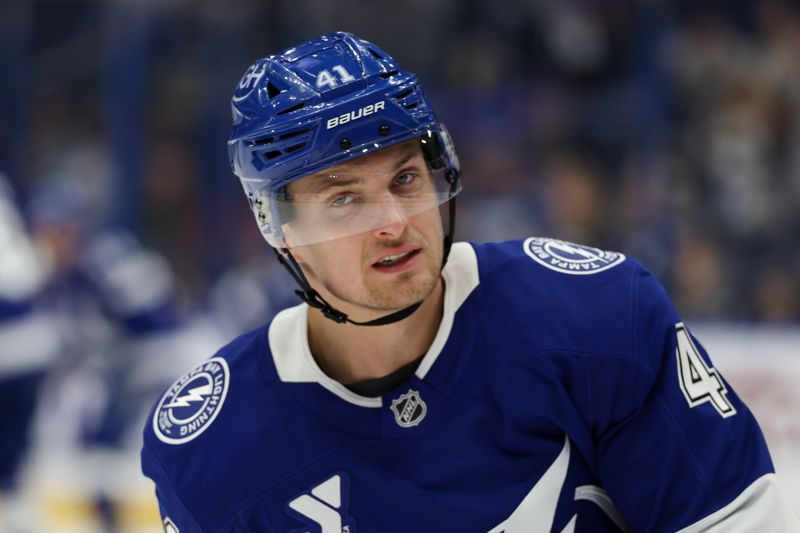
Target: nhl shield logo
[(409, 409)]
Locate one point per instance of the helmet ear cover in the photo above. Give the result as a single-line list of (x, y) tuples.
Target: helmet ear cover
[(439, 152), (433, 151)]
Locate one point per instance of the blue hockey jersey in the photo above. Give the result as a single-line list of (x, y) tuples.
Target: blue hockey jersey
[(561, 393)]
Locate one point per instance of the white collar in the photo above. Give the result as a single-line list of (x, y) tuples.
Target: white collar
[(288, 333)]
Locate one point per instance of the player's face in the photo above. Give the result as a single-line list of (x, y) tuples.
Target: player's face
[(393, 263)]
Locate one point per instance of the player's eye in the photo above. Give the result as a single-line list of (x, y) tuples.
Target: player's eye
[(341, 200), (405, 178)]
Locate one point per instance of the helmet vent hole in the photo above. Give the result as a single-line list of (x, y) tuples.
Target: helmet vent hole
[(272, 154), (389, 74), (293, 108), (263, 140), (294, 148), (375, 53), (272, 91), (403, 94), (411, 106), (294, 133)]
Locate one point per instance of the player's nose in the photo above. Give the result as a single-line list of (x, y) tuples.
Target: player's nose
[(393, 218)]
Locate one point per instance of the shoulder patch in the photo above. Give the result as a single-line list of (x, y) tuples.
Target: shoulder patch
[(569, 258), (192, 403)]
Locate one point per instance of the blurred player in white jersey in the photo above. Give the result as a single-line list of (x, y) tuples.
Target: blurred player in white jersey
[(29, 343)]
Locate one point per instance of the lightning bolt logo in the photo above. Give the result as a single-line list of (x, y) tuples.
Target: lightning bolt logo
[(569, 258), (569, 248), (197, 394), (192, 403)]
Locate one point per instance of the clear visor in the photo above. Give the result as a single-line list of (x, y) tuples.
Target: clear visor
[(329, 206)]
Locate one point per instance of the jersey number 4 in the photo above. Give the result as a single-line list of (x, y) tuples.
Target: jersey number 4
[(699, 382)]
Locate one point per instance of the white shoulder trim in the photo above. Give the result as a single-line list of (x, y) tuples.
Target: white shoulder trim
[(760, 507), (288, 342), (288, 333), (460, 279)]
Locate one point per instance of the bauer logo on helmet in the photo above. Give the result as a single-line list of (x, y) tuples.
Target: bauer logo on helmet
[(355, 115)]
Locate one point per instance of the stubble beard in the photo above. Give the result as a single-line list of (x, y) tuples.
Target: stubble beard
[(405, 289), (384, 293)]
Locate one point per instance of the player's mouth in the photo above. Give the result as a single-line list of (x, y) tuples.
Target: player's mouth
[(397, 259)]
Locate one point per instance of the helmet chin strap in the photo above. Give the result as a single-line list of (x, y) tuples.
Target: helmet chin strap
[(315, 300)]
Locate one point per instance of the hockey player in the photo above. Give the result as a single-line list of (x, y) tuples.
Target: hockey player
[(532, 385), (115, 304), (29, 346)]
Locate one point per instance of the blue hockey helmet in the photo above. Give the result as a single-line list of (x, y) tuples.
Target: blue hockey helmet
[(322, 103)]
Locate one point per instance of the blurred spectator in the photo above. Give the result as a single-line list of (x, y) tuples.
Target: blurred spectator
[(739, 130), (699, 277), (776, 297), (575, 199), (172, 210)]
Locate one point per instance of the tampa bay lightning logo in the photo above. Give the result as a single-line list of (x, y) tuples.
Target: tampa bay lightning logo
[(569, 258), (192, 403)]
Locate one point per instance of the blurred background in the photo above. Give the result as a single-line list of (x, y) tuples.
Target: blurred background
[(668, 130)]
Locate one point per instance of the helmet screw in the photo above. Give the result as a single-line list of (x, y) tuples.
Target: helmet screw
[(262, 216), (259, 202), (345, 144), (384, 129)]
